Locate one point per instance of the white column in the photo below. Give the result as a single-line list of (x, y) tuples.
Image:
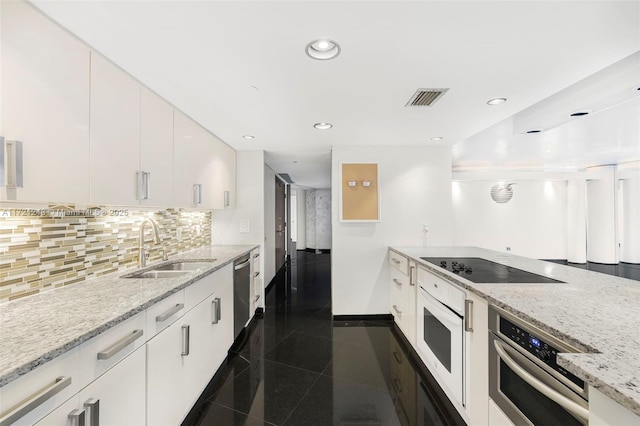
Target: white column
[(601, 215), (576, 221), (630, 220)]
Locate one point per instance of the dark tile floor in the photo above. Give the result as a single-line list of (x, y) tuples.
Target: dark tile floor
[(296, 366)]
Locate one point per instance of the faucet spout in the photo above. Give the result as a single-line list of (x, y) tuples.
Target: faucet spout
[(142, 256)]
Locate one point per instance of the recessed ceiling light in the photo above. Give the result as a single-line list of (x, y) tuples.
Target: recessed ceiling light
[(496, 101), (323, 126), (248, 137), (580, 113), (322, 49), (437, 138), (534, 131)]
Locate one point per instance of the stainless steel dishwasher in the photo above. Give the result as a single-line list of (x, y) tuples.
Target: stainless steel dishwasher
[(241, 283)]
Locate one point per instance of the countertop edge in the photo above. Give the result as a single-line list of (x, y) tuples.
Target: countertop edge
[(50, 355)]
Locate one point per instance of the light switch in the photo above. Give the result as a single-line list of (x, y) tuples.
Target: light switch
[(244, 226)]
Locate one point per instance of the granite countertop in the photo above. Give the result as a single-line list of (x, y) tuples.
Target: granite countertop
[(597, 313), (38, 328)]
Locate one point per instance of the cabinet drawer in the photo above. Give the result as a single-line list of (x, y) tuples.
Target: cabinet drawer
[(57, 380), (399, 262), (437, 287), (199, 291), (164, 313), (399, 280), (109, 348)]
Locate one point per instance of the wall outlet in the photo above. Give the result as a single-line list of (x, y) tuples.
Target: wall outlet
[(179, 234), (425, 229), (198, 230), (508, 248)]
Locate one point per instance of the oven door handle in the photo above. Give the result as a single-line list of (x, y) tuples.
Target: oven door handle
[(569, 405)]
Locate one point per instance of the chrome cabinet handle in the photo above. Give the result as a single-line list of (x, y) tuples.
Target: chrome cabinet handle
[(468, 315), (215, 313), (256, 255), (569, 405), (120, 344), (92, 406), (411, 272), (395, 307), (147, 185), (435, 285), (140, 184), (76, 418), (169, 312), (34, 400), (255, 299), (255, 274), (394, 260), (395, 280), (185, 340), (197, 193)]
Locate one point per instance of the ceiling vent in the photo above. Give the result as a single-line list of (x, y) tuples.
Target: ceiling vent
[(426, 97)]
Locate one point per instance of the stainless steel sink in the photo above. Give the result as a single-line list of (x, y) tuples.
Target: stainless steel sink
[(183, 265), (157, 274)]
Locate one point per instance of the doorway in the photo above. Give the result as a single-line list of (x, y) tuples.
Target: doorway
[(281, 223)]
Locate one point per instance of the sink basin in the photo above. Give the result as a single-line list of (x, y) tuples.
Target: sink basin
[(157, 274), (183, 265)]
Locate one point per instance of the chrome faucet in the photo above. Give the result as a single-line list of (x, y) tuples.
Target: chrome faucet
[(142, 254)]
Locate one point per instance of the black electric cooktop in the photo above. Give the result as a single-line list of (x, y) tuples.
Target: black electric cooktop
[(480, 270)]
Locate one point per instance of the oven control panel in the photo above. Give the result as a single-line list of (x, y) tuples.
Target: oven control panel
[(536, 347)]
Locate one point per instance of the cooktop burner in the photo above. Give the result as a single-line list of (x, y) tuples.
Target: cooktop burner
[(480, 270)]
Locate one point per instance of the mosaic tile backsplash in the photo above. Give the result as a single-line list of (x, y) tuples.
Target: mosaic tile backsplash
[(42, 250)]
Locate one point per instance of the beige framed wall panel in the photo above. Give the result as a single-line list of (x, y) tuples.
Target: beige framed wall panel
[(359, 203)]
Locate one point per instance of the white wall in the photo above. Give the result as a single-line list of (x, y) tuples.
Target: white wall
[(533, 223), (269, 253), (415, 189), (630, 220), (301, 201)]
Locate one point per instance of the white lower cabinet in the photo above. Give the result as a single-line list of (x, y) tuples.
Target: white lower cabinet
[(165, 386), (41, 390), (403, 294)]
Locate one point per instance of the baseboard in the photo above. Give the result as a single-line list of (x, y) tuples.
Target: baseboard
[(376, 317), (312, 250)]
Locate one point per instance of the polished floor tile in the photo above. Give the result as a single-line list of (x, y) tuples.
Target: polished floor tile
[(295, 365)]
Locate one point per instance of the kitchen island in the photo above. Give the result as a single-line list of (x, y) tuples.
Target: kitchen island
[(596, 313)]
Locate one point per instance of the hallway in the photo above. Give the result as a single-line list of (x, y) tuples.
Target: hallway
[(298, 367)]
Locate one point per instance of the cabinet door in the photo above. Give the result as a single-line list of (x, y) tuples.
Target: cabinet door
[(45, 104), (224, 175), (120, 393), (165, 385), (192, 164), (156, 147), (115, 134)]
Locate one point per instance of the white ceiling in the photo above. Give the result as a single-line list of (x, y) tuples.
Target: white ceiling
[(239, 67)]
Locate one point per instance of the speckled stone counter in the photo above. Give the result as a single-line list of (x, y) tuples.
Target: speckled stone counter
[(597, 313), (39, 328)]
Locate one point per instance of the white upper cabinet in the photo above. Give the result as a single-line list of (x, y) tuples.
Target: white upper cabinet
[(224, 175), (115, 134), (45, 104), (193, 164), (156, 147)]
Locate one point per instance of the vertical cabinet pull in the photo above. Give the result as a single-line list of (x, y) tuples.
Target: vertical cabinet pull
[(36, 399), (147, 185), (468, 315), (92, 407), (185, 340), (412, 270), (143, 178), (13, 164), (197, 193), (226, 199), (215, 314), (76, 418)]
